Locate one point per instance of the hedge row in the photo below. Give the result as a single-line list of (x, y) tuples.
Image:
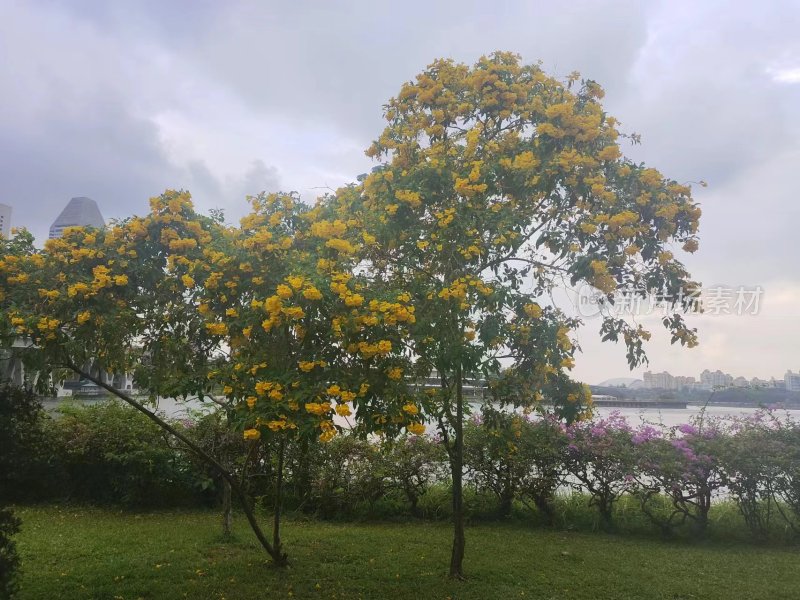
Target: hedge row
[(110, 454)]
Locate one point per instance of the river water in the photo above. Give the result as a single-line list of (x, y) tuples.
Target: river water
[(180, 409), (678, 416)]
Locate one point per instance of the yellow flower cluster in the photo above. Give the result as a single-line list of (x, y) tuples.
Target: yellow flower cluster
[(312, 293), (409, 197), (328, 229), (217, 328), (533, 310), (252, 434), (445, 217), (340, 245), (182, 244), (416, 428), (318, 408), (281, 424), (308, 365), (328, 431), (395, 373), (368, 350)]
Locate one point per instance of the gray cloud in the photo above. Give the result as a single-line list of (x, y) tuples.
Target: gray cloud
[(119, 100)]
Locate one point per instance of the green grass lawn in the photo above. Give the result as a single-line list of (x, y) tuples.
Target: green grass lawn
[(91, 553)]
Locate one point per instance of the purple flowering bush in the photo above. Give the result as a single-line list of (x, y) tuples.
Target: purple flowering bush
[(751, 461), (785, 486), (678, 472), (600, 458)]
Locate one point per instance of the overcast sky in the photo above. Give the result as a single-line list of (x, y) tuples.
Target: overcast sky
[(120, 100)]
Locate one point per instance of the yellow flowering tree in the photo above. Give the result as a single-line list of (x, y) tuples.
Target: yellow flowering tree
[(309, 345), (120, 300), (495, 184), (269, 320)]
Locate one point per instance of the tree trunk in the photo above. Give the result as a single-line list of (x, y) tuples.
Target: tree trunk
[(279, 558), (276, 523), (605, 507), (457, 467), (544, 504), (304, 476), (506, 503), (227, 509)]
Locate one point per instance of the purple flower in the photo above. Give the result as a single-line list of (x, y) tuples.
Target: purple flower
[(598, 431), (645, 434)]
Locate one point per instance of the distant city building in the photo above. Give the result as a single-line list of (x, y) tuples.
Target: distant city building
[(716, 379), (79, 212), (5, 220), (792, 381), (660, 381)]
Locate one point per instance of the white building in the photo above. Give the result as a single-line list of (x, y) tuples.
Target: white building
[(79, 212), (5, 220), (717, 379), (661, 381), (792, 381)]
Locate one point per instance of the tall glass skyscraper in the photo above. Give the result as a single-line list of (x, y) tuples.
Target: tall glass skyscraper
[(5, 220), (79, 212)]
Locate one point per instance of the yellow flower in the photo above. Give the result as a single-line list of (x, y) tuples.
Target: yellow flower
[(217, 328), (306, 366), (73, 290), (534, 311), (343, 410), (317, 408), (187, 281), (294, 312), (121, 280), (295, 281), (312, 293), (284, 291), (83, 317), (609, 153), (416, 428), (354, 300), (181, 244), (341, 245), (252, 434), (395, 373), (409, 197), (411, 409)]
